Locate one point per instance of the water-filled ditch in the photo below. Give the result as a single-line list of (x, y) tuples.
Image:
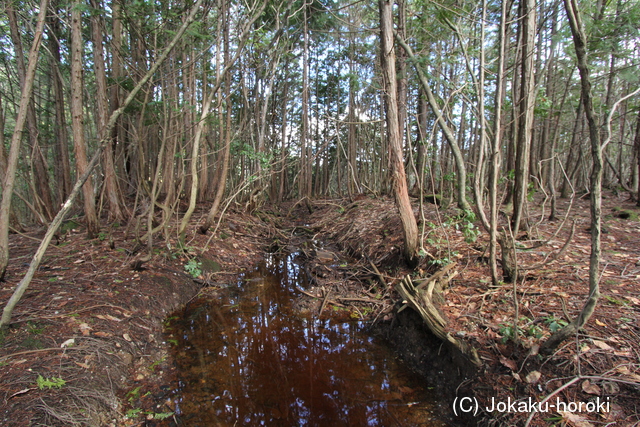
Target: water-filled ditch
[(249, 357)]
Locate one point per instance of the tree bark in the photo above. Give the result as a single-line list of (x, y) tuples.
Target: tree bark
[(77, 119), (525, 106), (398, 176), (637, 149), (446, 130), (224, 77)]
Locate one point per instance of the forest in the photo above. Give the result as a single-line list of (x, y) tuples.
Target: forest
[(169, 117)]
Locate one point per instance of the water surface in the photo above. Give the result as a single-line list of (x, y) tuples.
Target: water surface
[(248, 358)]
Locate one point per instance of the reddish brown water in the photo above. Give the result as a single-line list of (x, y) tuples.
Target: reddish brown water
[(248, 359)]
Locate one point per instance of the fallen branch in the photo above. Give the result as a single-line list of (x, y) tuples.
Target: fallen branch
[(369, 300)]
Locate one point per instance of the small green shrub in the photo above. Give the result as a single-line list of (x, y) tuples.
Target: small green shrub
[(49, 383), (194, 268)]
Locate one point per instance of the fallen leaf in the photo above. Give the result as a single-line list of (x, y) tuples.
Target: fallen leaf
[(634, 300), (126, 337), (508, 363), (533, 377), (599, 323), (85, 328), (82, 365), (602, 345), (108, 317), (590, 388), (68, 343), (103, 334), (535, 349), (78, 261), (574, 420), (610, 387)]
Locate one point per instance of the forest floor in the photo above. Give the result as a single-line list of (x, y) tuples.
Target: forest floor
[(86, 344)]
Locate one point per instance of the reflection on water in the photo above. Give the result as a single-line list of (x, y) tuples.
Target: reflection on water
[(248, 359)]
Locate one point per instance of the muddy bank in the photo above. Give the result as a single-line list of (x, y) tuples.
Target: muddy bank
[(440, 365)]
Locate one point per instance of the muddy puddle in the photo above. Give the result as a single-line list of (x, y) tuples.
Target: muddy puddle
[(248, 358)]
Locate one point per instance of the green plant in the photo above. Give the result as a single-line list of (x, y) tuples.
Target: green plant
[(157, 362), (511, 333), (32, 343), (614, 301), (555, 324), (162, 415), (441, 262), (49, 383), (32, 328), (133, 394), (194, 268), (132, 413), (531, 191), (465, 222), (508, 333)]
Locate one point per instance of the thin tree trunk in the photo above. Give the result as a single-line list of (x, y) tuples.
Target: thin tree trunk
[(42, 197), (446, 130), (16, 139), (112, 189), (224, 77), (580, 44), (637, 149), (525, 111), (77, 119), (62, 167)]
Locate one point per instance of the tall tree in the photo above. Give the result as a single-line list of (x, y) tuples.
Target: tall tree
[(394, 136), (9, 180), (62, 165), (580, 44), (525, 109), (112, 189), (40, 176), (77, 118)]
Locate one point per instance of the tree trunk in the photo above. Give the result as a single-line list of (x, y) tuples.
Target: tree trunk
[(42, 197), (525, 106), (77, 120), (111, 187), (16, 139), (304, 185), (398, 176), (637, 149), (580, 44), (62, 167), (446, 130), (224, 76)]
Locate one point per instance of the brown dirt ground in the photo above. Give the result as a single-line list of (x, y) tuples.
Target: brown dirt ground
[(118, 362)]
